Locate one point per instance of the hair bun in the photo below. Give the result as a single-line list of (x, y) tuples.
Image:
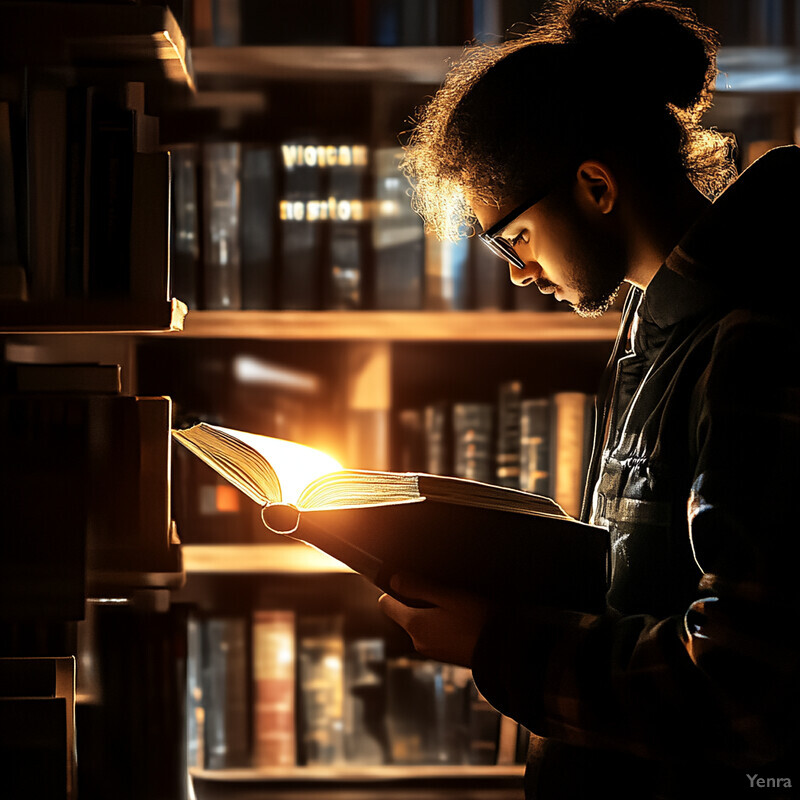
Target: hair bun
[(661, 46)]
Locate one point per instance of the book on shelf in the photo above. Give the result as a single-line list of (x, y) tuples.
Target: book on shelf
[(301, 243), (490, 289), (461, 533), (509, 402), (446, 274), (226, 701), (257, 226), (321, 695), (274, 686), (365, 701), (398, 240), (82, 378), (473, 439), (534, 449), (438, 438), (570, 432), (222, 278), (185, 225), (38, 755)]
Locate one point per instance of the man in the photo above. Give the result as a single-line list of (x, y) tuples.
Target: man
[(577, 149)]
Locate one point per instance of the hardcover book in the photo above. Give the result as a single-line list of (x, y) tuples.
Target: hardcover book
[(478, 537)]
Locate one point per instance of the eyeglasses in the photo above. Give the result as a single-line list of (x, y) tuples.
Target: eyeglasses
[(502, 247)]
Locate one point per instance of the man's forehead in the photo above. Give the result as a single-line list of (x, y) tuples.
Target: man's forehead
[(489, 214)]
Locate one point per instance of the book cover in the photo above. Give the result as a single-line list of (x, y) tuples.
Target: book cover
[(222, 287), (274, 653), (320, 653), (466, 534)]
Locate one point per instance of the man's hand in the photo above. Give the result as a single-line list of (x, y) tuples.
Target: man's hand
[(446, 632)]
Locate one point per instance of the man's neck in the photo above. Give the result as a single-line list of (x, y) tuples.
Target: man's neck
[(656, 231)]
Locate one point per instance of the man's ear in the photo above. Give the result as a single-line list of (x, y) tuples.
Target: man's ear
[(597, 186)]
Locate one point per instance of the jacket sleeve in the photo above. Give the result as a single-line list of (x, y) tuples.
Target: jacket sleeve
[(720, 678)]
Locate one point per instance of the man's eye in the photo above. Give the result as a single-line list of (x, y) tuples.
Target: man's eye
[(517, 239)]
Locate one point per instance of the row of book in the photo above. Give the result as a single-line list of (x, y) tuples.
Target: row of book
[(283, 689), (310, 224), (348, 22), (537, 444), (84, 195)]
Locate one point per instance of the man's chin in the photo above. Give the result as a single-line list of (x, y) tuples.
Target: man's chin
[(594, 308)]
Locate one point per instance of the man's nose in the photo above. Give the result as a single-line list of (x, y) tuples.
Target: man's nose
[(524, 277)]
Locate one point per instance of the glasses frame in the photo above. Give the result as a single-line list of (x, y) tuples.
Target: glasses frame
[(502, 247)]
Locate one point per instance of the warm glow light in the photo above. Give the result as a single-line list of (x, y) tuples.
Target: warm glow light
[(295, 464)]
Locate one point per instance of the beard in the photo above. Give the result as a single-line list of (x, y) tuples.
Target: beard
[(595, 271)]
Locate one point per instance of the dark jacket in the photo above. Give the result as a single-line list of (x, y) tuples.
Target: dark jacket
[(688, 685)]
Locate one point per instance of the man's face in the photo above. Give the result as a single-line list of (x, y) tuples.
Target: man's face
[(567, 252)]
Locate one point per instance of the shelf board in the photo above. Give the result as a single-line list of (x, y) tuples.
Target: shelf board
[(328, 63), (353, 774), (742, 69), (282, 558), (473, 326), (145, 41), (91, 316)]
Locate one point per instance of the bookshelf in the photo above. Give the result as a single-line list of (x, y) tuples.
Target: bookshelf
[(401, 326)]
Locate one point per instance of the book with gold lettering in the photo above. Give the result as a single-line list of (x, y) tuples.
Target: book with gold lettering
[(489, 540)]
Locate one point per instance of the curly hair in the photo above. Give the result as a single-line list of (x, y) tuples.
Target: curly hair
[(625, 80)]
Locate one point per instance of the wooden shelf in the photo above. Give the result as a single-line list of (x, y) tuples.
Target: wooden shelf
[(408, 326), (741, 68), (91, 316), (309, 63), (282, 558), (388, 773), (144, 41)]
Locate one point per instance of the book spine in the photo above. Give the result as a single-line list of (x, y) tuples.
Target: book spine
[(150, 228), (258, 227), (221, 251), (111, 193), (225, 693), (438, 438), (446, 275), (195, 700), (186, 226), (321, 676), (472, 432), (301, 234), (397, 238), (365, 702), (570, 426), (508, 434), (535, 445), (274, 730), (46, 150), (347, 209)]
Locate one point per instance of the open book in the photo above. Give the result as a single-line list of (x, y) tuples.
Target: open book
[(487, 539)]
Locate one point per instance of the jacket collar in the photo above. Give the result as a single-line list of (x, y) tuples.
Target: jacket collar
[(750, 229)]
